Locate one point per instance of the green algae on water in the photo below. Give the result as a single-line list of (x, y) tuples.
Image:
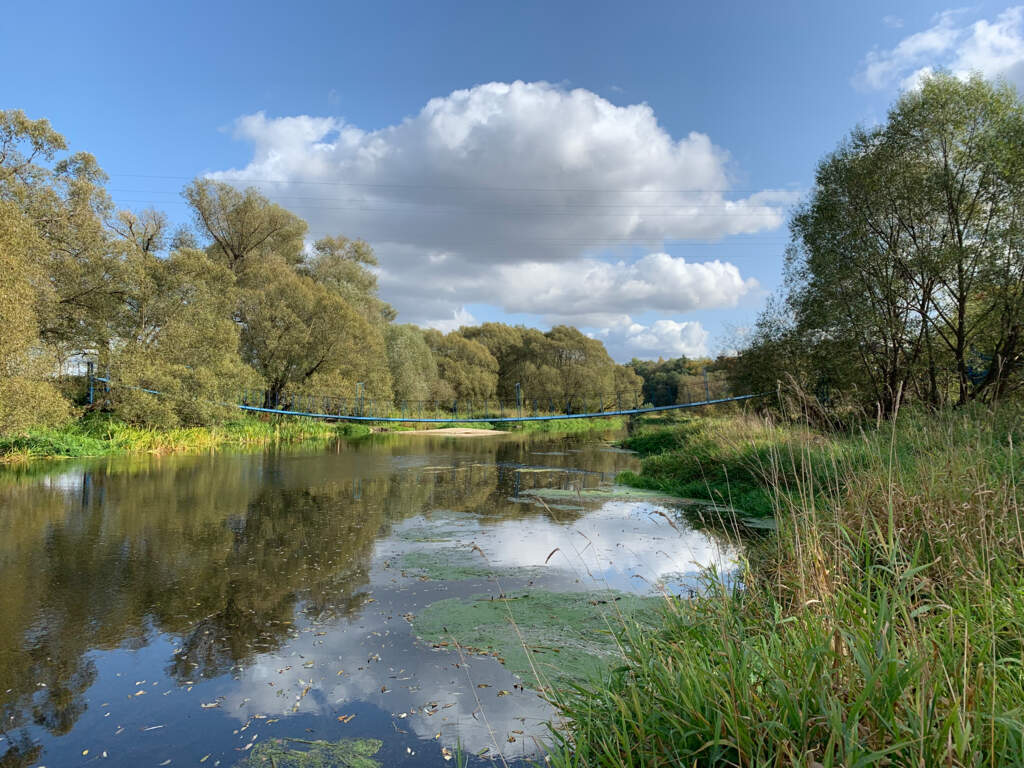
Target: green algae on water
[(604, 493), (300, 753), (546, 638), (449, 564)]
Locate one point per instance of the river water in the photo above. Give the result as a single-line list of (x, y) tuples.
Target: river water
[(184, 610)]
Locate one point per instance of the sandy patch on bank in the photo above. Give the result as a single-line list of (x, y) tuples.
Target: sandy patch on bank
[(454, 432)]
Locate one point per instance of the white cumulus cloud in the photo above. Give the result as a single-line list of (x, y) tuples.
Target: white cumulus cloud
[(507, 193), (991, 48), (626, 339), (584, 291)]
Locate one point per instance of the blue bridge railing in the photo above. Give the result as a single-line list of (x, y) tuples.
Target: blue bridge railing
[(466, 411)]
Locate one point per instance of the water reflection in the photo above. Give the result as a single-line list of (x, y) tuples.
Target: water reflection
[(160, 574)]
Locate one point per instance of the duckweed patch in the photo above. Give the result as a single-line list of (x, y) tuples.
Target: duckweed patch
[(547, 638), (300, 753), (450, 564), (603, 494)]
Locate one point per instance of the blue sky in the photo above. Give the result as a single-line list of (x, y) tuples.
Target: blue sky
[(623, 167)]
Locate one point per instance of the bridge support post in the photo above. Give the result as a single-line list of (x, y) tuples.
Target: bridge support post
[(707, 388), (92, 383), (519, 400)]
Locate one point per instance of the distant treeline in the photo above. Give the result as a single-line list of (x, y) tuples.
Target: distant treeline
[(905, 274), (240, 301)]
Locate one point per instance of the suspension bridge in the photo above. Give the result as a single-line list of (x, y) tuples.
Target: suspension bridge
[(521, 408)]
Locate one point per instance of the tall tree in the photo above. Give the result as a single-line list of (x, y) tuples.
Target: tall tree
[(296, 333), (466, 368), (905, 269), (413, 369), (27, 396), (176, 336), (244, 224)]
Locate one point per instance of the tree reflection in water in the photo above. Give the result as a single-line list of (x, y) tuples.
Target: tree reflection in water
[(219, 552)]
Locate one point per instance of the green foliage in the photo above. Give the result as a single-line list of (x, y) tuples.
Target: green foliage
[(342, 265), (467, 370), (297, 333), (99, 435), (882, 623), (555, 367), (905, 279), (178, 339), (568, 426), (184, 321), (243, 224), (26, 397), (725, 459), (412, 365)]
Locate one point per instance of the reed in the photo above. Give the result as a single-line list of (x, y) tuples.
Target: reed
[(882, 624)]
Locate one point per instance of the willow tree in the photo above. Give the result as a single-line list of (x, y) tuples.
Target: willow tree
[(27, 396), (301, 337), (309, 323), (412, 364), (177, 336), (467, 371), (242, 224), (64, 201)]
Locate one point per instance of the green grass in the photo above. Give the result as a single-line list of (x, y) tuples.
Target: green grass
[(99, 435), (883, 624), (732, 460), (407, 426), (567, 426)]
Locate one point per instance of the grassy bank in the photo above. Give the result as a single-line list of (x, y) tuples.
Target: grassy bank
[(736, 460), (882, 624), (100, 435), (97, 435), (567, 426)]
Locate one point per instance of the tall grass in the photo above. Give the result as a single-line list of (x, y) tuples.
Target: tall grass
[(99, 435), (882, 625)]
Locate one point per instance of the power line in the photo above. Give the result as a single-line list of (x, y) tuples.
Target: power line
[(464, 187), (723, 204), (501, 211)]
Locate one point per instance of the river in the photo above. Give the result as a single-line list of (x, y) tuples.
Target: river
[(187, 610)]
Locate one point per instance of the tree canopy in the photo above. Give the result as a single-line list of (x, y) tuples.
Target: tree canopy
[(241, 301), (905, 274)]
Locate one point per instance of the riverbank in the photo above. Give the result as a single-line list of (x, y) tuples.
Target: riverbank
[(883, 622), (98, 435), (101, 435)]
